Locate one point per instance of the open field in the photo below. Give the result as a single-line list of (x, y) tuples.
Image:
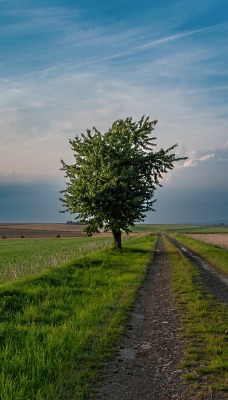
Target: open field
[(41, 230), (216, 239), (70, 230), (22, 257), (37, 231)]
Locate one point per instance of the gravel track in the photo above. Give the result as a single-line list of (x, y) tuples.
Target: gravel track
[(146, 364)]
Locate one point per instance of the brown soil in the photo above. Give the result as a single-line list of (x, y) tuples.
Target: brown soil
[(219, 239), (33, 231), (13, 231), (146, 365)]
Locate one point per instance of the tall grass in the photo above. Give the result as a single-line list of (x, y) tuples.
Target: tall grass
[(212, 254), (27, 257), (58, 327), (204, 329)]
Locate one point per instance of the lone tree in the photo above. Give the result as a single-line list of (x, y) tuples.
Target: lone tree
[(112, 182)]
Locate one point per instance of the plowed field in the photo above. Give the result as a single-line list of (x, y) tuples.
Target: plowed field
[(37, 231), (218, 239), (13, 231)]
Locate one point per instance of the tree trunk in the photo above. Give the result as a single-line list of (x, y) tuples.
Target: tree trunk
[(117, 240)]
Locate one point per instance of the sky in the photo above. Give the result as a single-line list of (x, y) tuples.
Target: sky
[(67, 66)]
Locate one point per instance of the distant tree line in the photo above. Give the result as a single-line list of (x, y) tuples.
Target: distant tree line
[(74, 223)]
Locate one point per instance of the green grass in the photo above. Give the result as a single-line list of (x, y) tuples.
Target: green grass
[(180, 228), (58, 327), (27, 257), (204, 329), (158, 228), (212, 254)]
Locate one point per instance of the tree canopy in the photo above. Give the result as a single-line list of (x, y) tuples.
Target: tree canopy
[(111, 185)]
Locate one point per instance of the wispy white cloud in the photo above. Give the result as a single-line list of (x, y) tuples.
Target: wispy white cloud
[(190, 163), (206, 157), (95, 39), (195, 158), (26, 19)]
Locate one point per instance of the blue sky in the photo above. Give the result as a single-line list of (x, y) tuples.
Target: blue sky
[(66, 66)]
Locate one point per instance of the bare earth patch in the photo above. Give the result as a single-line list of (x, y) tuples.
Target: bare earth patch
[(218, 239)]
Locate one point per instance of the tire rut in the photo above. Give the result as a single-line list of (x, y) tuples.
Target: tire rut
[(215, 282)]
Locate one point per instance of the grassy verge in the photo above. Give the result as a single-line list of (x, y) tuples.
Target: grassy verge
[(212, 254), (204, 328), (28, 257), (58, 327)]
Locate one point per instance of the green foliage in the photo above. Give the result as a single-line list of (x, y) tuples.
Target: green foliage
[(57, 328), (114, 177)]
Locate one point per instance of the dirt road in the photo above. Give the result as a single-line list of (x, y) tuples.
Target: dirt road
[(146, 365)]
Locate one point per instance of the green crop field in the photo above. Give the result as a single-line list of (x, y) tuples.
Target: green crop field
[(159, 228), (25, 257)]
